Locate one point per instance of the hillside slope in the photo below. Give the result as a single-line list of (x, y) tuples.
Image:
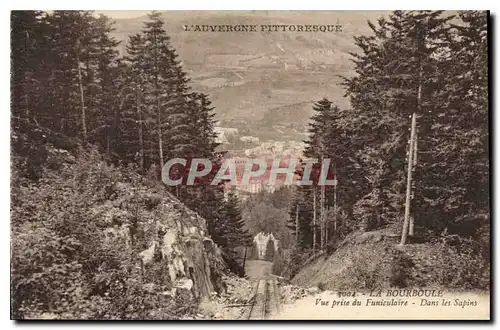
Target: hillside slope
[(246, 74), (92, 241), (375, 260)]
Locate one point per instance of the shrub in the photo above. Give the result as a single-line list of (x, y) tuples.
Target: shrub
[(278, 263), (367, 211), (400, 270), (293, 260), (72, 256), (463, 267), (365, 269)]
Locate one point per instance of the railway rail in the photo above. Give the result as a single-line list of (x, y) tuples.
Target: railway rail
[(266, 300)]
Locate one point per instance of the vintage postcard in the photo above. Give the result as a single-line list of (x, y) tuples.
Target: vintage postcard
[(250, 165)]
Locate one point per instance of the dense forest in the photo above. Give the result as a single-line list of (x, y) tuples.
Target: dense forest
[(435, 66), (83, 121), (91, 130)]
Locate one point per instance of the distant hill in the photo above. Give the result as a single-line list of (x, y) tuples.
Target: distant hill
[(250, 76)]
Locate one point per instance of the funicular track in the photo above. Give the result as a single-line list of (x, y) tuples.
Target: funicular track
[(265, 302)]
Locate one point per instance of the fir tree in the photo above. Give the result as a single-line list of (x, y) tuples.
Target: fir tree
[(233, 226), (270, 250)]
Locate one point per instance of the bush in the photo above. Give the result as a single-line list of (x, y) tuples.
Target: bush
[(278, 263), (292, 261), (368, 209), (463, 267), (72, 256), (365, 269), (400, 270)]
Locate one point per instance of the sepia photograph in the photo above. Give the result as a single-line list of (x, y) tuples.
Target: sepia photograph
[(250, 165)]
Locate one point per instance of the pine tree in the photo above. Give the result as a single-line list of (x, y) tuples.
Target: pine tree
[(25, 40), (162, 111), (136, 122), (397, 75), (455, 180), (270, 250), (233, 226), (304, 200), (327, 140), (104, 104)]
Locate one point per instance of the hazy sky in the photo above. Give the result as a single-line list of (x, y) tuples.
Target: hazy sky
[(123, 13)]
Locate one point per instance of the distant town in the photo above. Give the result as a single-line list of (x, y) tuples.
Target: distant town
[(239, 147)]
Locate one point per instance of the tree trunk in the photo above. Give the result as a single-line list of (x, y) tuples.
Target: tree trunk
[(160, 142), (82, 101), (141, 137)]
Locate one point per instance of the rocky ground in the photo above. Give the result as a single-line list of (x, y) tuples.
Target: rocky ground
[(290, 293), (230, 305)]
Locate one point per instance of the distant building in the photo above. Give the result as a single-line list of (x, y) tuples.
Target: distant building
[(223, 133), (249, 139), (260, 183), (290, 67), (261, 240)]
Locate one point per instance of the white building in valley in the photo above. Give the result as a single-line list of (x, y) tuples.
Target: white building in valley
[(261, 240)]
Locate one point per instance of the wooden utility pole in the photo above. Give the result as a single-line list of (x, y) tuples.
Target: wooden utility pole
[(335, 205), (245, 258), (412, 155), (322, 215), (314, 219), (297, 225), (322, 202), (327, 212), (411, 230), (406, 222)]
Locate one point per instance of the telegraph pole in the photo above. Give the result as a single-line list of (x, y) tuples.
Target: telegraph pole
[(412, 162), (322, 214), (322, 199), (297, 225), (411, 230), (314, 219), (406, 222), (335, 202)]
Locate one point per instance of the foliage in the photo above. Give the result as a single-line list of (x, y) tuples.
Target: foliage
[(76, 238), (279, 262), (434, 65), (291, 261), (266, 212), (400, 270), (464, 270), (234, 227), (71, 90), (270, 250)]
